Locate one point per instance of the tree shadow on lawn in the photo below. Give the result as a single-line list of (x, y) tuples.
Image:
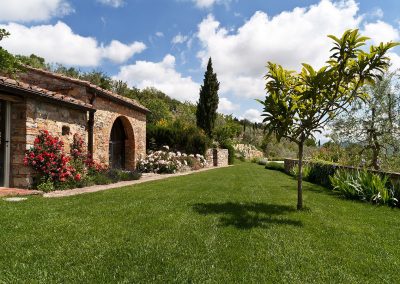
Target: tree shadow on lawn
[(248, 215), (312, 188)]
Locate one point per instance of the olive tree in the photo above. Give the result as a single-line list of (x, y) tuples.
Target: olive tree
[(373, 123), (298, 105)]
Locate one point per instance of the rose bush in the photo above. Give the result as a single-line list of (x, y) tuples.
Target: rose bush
[(46, 157), (56, 170)]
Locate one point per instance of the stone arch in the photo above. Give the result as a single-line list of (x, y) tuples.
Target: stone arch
[(122, 144)]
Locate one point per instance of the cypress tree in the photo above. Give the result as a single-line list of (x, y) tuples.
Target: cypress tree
[(206, 112)]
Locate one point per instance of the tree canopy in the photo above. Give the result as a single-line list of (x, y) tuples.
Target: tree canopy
[(299, 104), (373, 123), (206, 112), (9, 64)]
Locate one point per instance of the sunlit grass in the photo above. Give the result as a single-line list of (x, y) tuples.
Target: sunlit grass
[(236, 224)]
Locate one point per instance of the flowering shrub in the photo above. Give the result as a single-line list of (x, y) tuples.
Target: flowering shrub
[(58, 171), (94, 166), (170, 162), (47, 158), (77, 147)]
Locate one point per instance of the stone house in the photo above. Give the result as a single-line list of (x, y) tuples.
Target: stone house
[(113, 127)]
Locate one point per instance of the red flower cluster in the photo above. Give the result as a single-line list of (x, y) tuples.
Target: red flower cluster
[(47, 158), (77, 147), (91, 164)]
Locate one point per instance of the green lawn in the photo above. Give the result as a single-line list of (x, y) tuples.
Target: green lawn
[(236, 224)]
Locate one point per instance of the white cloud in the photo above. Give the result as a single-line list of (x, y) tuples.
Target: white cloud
[(253, 115), (395, 60), (118, 52), (377, 13), (59, 44), (381, 32), (289, 38), (179, 38), (210, 3), (226, 106), (33, 10), (161, 75), (112, 3), (159, 34)]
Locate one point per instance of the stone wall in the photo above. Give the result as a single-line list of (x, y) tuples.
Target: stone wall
[(28, 119), (107, 111), (248, 151), (55, 84), (134, 125), (217, 157)]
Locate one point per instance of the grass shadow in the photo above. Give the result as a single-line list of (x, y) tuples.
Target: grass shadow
[(248, 215)]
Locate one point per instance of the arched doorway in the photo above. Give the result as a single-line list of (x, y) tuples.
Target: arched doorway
[(117, 145)]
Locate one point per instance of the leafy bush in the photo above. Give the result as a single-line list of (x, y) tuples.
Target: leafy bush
[(181, 136), (347, 184), (47, 158), (275, 166), (117, 175), (306, 172), (363, 185), (395, 191), (46, 185), (320, 172), (100, 178)]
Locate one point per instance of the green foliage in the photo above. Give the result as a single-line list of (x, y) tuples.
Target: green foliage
[(99, 78), (9, 64), (33, 61), (226, 129), (306, 169), (177, 135), (241, 213), (363, 185), (275, 166), (68, 71), (159, 111), (298, 105), (186, 113), (45, 185), (371, 123), (207, 106), (346, 183), (100, 178), (319, 173), (117, 175)]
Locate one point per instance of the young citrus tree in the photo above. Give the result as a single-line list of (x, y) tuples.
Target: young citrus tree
[(298, 105)]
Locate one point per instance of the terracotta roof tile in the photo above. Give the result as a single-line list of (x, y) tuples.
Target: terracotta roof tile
[(88, 84), (5, 81)]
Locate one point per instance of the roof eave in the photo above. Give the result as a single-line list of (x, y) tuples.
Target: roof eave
[(16, 90)]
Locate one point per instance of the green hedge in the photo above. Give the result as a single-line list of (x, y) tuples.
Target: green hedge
[(178, 136)]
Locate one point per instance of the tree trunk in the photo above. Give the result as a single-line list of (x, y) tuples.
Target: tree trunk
[(300, 178)]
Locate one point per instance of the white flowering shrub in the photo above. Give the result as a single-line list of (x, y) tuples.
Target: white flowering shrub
[(167, 162)]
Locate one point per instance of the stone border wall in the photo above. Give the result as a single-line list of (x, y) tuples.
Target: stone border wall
[(291, 163)]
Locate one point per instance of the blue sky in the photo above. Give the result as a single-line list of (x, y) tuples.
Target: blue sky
[(166, 43)]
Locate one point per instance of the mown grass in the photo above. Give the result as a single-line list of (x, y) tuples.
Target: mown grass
[(236, 224)]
